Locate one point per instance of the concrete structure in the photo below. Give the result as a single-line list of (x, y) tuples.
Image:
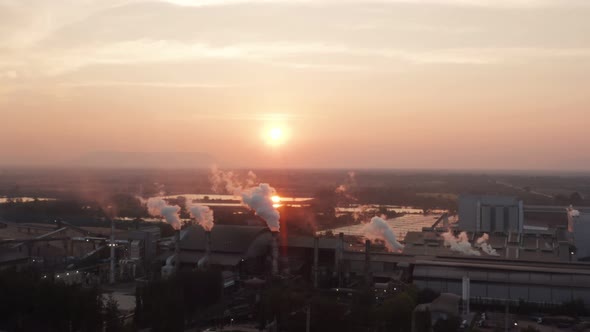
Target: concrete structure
[(535, 282), (579, 226), (239, 249), (490, 214)]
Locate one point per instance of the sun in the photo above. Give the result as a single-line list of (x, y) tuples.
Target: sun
[(275, 136), (276, 200)]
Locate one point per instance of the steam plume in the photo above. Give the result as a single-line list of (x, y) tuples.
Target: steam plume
[(573, 212), (202, 214), (158, 207), (459, 244), (482, 242), (259, 199), (228, 182), (344, 189), (379, 229)]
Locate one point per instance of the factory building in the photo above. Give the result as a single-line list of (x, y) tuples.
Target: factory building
[(490, 214), (238, 251), (579, 226)]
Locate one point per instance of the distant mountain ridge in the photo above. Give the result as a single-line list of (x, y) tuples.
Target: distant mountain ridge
[(134, 159)]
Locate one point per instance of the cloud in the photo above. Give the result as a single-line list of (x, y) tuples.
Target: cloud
[(479, 3), (285, 54)]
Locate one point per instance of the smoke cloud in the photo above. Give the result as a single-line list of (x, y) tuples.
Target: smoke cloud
[(573, 212), (344, 189), (255, 197), (482, 242), (460, 243), (158, 207), (379, 229), (259, 199), (203, 215), (228, 182)]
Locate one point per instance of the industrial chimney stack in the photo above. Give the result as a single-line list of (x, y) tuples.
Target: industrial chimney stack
[(176, 250), (275, 253), (208, 244), (316, 249), (368, 261)]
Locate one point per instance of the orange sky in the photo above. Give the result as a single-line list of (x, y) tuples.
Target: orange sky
[(386, 83)]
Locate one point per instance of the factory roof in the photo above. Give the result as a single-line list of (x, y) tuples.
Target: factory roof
[(214, 258), (308, 242), (523, 266), (225, 238), (507, 246), (446, 302), (489, 199), (11, 256)]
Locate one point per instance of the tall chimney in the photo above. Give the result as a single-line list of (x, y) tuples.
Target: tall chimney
[(275, 253), (465, 296), (339, 257), (316, 249), (208, 244), (176, 250), (368, 261), (112, 245)]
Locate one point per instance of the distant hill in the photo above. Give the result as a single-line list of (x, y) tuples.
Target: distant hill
[(117, 159)]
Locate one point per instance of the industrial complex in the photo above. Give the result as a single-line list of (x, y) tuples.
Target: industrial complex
[(499, 250)]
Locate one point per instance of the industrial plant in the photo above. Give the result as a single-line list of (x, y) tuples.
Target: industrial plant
[(496, 250)]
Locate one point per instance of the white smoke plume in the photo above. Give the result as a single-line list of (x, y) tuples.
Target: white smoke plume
[(228, 182), (379, 229), (259, 199), (573, 212), (482, 242), (344, 189), (158, 207), (361, 211), (255, 197), (203, 215), (460, 243)]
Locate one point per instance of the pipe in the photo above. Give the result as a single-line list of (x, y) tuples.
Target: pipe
[(466, 294), (112, 245), (204, 261), (208, 244), (316, 249), (275, 253), (339, 258), (176, 250), (368, 261)]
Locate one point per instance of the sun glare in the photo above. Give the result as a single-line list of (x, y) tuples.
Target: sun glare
[(275, 136), (276, 200)]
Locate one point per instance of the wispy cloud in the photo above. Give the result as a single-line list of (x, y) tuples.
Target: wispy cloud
[(479, 3), (277, 54), (161, 84)]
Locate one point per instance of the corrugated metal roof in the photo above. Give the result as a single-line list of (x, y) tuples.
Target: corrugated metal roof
[(224, 238)]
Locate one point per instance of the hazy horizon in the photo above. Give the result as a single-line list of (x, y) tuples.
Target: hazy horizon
[(384, 84)]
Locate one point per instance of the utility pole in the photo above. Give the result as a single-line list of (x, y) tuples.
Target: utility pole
[(507, 321), (308, 318), (112, 245)]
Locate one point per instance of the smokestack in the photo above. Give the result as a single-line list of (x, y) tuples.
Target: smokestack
[(176, 250), (275, 253), (316, 249), (465, 295), (203, 263), (112, 244), (339, 256), (208, 244), (368, 261)]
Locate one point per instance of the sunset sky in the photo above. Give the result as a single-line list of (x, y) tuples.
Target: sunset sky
[(461, 84)]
